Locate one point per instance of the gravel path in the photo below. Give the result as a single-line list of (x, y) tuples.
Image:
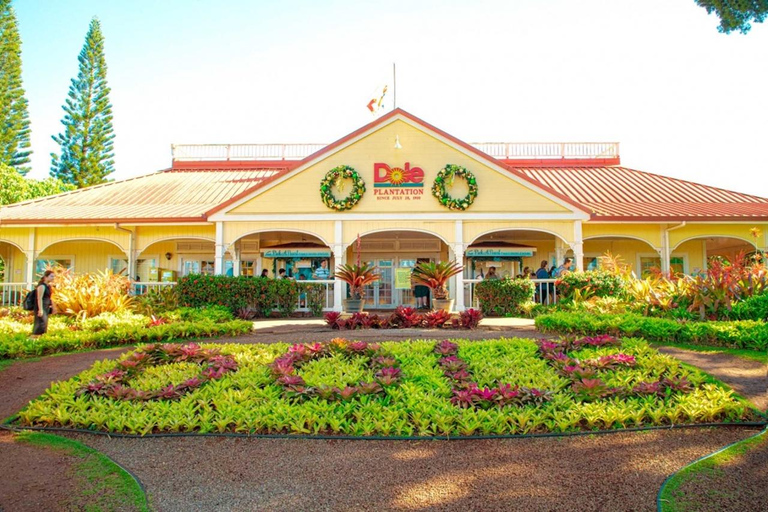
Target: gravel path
[(606, 472), (747, 377)]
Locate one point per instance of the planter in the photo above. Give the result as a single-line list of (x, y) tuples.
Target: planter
[(354, 305), (444, 304)]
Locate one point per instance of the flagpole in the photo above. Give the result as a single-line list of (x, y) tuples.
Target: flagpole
[(394, 86)]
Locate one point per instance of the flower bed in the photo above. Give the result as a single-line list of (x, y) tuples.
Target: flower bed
[(505, 386), (405, 318), (747, 334), (109, 329)]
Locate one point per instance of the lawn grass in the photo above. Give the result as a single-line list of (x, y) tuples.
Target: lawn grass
[(761, 357), (422, 403), (102, 484), (673, 497)]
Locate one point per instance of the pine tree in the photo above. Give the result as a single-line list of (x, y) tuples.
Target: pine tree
[(87, 141), (14, 117)]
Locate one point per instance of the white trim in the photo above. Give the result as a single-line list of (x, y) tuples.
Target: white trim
[(395, 216), (86, 224), (277, 229), (379, 126), (3, 241), (748, 242), (513, 228), (597, 237), (80, 239), (397, 230), (176, 238)]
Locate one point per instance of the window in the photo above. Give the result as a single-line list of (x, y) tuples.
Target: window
[(647, 263), (64, 261)]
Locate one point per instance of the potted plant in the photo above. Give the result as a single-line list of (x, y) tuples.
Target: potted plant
[(357, 276), (435, 276)]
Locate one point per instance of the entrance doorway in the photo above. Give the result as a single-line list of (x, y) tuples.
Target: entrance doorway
[(385, 293)]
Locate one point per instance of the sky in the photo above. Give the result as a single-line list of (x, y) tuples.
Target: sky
[(682, 99)]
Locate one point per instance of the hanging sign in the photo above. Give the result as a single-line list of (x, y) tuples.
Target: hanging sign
[(398, 183), (297, 253), (501, 252), (402, 278)]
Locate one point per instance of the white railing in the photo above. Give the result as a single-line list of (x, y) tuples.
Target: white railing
[(328, 293), (144, 287), (221, 152), (11, 294), (548, 150), (545, 292), (502, 150)]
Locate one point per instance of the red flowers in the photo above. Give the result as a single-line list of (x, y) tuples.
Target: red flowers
[(114, 384)]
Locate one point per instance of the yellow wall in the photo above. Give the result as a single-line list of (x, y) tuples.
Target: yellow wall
[(740, 231), (89, 256), (650, 233), (496, 192), (147, 235), (442, 229), (474, 229), (46, 236), (324, 230)]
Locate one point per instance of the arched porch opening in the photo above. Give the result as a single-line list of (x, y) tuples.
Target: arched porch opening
[(12, 283), (510, 252), (168, 259), (302, 255), (395, 253), (85, 255), (642, 257), (703, 249)]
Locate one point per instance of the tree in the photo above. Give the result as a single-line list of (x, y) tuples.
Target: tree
[(87, 141), (15, 188), (14, 116), (736, 14)]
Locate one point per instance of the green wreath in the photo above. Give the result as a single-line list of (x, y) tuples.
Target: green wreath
[(336, 176), (444, 180)]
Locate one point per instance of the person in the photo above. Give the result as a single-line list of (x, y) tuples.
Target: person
[(303, 293), (43, 304), (421, 292), (264, 273), (491, 274), (527, 272), (564, 268), (322, 271), (542, 288)]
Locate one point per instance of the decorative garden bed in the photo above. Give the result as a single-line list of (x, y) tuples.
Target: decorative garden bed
[(416, 388)]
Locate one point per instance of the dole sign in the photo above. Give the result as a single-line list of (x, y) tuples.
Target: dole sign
[(397, 183)]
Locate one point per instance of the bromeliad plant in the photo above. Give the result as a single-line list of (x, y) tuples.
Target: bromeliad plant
[(466, 392), (357, 276), (435, 276), (285, 369), (116, 383)]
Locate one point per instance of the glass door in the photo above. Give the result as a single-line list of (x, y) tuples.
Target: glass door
[(381, 294)]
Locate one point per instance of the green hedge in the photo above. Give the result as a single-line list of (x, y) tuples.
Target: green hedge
[(747, 334), (593, 283), (258, 293), (753, 308), (185, 324), (502, 297)]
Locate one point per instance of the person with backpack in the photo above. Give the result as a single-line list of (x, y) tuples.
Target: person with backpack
[(43, 304)]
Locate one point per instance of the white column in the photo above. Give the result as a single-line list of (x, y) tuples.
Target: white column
[(458, 252), (29, 276), (703, 255), (578, 246), (665, 252), (218, 265), (235, 253), (340, 257)]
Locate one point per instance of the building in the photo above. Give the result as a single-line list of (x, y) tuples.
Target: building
[(239, 209)]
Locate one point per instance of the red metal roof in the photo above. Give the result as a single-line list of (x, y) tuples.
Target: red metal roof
[(619, 193), (172, 195)]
